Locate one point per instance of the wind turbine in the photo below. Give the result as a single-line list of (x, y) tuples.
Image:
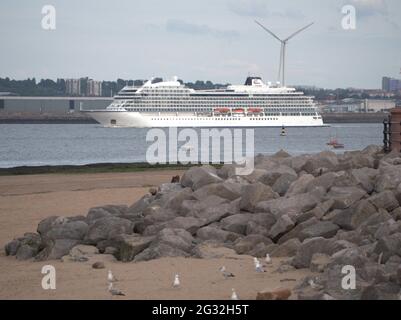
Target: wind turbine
[(281, 71)]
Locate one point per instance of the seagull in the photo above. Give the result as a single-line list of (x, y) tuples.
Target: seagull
[(268, 260), (225, 273), (255, 261), (314, 285), (110, 277), (176, 282), (115, 292), (259, 267), (234, 295)]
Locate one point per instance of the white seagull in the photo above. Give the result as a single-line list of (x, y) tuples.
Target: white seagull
[(234, 295), (115, 292), (259, 267), (176, 282), (110, 277), (225, 273), (268, 260)]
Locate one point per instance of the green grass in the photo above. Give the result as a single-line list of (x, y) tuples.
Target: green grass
[(93, 168)]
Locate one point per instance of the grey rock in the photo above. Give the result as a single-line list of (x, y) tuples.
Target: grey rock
[(296, 232), (98, 265), (355, 216), (274, 173), (197, 177), (381, 291), (325, 229), (282, 184), (12, 247), (287, 249), (300, 185), (141, 204), (291, 206), (236, 223), (248, 243), (319, 262), (175, 199), (226, 190), (365, 178), (385, 200), (283, 225), (308, 248), (325, 181), (106, 228), (212, 233), (56, 249), (389, 246), (254, 193), (26, 252), (130, 245), (82, 252), (344, 197), (74, 230), (190, 224)]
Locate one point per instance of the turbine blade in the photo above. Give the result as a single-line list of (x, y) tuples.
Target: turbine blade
[(299, 31), (267, 30)]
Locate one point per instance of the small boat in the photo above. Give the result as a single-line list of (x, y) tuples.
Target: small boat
[(338, 146), (332, 142)]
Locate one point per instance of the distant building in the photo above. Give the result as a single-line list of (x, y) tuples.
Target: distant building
[(378, 105), (73, 87), (94, 88), (344, 106), (391, 84)]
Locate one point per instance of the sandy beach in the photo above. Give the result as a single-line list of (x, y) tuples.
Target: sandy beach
[(27, 199)]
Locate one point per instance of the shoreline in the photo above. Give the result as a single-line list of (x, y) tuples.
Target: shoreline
[(328, 118), (92, 168)]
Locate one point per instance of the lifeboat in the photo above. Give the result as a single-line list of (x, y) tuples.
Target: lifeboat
[(254, 110), (238, 110), (222, 110)]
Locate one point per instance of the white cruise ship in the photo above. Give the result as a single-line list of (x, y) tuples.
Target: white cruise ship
[(172, 104)]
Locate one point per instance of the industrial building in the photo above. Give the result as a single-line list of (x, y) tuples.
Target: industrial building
[(50, 105)]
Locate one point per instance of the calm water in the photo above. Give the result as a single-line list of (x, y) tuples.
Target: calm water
[(55, 144)]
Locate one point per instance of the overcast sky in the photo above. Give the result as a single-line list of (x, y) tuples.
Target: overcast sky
[(213, 40)]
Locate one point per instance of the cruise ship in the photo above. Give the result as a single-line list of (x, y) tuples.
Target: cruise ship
[(172, 104)]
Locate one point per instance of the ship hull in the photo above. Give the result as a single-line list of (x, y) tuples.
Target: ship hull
[(138, 120)]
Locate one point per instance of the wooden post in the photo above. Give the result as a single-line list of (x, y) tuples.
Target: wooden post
[(395, 129)]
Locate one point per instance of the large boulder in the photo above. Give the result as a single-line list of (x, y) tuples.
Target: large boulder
[(344, 197), (106, 228), (365, 178), (300, 185), (226, 190), (291, 206), (271, 176), (74, 230), (389, 178), (323, 160), (213, 233), (56, 249), (28, 246), (308, 248), (287, 249), (296, 232), (190, 224), (248, 243), (283, 224), (325, 229), (236, 223), (384, 200), (388, 246), (254, 193), (197, 177), (130, 245), (354, 216), (282, 184), (168, 243)]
